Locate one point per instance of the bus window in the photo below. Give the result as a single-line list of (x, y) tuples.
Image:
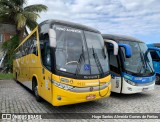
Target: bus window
[(47, 57), (155, 56), (113, 62), (74, 45), (45, 51), (33, 43)]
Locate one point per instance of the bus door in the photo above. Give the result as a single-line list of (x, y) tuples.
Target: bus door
[(115, 71), (46, 87)]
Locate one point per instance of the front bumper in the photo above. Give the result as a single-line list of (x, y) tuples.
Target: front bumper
[(130, 89), (64, 97)]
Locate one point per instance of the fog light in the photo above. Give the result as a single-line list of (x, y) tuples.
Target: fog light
[(59, 98)]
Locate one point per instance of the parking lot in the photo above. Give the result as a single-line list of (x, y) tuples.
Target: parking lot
[(14, 98)]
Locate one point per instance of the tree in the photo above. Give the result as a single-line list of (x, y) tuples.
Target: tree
[(15, 12), (10, 46)]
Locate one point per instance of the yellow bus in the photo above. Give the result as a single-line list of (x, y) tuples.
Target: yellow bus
[(63, 63)]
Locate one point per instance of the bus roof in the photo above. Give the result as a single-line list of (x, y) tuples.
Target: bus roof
[(157, 45), (117, 38), (50, 22)]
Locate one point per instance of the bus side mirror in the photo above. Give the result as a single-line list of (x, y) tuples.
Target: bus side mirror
[(52, 37), (128, 50), (115, 45)]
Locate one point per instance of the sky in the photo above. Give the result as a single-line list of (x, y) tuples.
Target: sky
[(136, 18)]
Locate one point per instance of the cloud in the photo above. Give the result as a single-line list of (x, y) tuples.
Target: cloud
[(128, 17)]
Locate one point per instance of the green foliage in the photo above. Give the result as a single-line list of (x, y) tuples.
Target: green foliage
[(6, 76), (16, 12), (10, 46)]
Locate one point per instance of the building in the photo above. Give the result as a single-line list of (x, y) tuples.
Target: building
[(6, 32)]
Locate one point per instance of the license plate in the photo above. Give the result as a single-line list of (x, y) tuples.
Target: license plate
[(145, 89), (91, 97)]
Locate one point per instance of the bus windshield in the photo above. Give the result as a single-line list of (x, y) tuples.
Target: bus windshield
[(76, 50), (140, 62)]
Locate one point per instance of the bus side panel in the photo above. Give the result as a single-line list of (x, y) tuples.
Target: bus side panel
[(34, 67), (156, 66), (42, 77), (46, 85), (20, 70), (25, 72)]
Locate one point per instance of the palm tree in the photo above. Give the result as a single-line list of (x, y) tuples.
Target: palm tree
[(16, 12)]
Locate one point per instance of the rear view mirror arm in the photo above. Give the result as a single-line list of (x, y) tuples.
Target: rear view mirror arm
[(115, 45)]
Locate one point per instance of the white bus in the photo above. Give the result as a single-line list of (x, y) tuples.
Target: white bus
[(131, 70)]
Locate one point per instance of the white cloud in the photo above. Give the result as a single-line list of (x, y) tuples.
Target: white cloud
[(129, 17), (134, 4)]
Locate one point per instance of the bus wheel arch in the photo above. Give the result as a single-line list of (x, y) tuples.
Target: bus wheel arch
[(35, 88)]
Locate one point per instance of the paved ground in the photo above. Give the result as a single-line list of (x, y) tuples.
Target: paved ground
[(14, 98)]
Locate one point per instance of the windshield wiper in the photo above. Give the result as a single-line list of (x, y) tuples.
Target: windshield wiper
[(147, 63), (97, 61), (143, 62), (79, 62)]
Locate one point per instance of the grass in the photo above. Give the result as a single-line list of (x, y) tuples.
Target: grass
[(6, 76)]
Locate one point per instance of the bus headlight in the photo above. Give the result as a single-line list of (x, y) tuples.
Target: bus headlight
[(130, 82), (62, 86)]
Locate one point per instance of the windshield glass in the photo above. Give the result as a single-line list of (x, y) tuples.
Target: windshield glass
[(74, 51), (96, 47), (139, 62)]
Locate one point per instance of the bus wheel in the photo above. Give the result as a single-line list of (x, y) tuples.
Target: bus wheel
[(157, 79), (35, 90)]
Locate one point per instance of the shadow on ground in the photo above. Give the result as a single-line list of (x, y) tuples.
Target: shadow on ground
[(130, 96)]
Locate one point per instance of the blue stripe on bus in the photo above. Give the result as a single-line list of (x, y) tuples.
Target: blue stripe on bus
[(139, 80), (156, 66)]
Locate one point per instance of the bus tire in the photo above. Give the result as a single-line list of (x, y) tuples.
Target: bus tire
[(157, 79), (35, 89)]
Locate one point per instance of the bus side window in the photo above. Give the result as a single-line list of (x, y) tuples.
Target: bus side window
[(45, 51), (47, 57), (33, 42), (113, 62), (34, 50), (155, 56)]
